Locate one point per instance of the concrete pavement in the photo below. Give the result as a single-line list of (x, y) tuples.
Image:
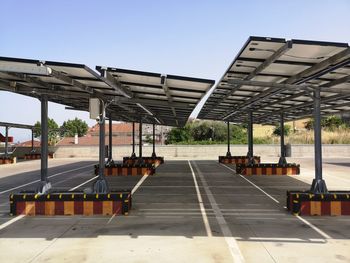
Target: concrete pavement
[(207, 214)]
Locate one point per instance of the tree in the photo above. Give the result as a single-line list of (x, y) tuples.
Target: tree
[(178, 135), (53, 131), (204, 131), (148, 139), (71, 127), (277, 130), (329, 123)]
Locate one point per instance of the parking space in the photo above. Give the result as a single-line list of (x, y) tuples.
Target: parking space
[(192, 210)]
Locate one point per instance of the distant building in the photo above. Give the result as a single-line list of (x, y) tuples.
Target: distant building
[(122, 135)]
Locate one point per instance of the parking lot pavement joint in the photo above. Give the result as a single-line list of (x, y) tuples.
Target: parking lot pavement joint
[(230, 240)]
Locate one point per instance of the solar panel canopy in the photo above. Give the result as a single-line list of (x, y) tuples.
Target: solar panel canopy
[(168, 97), (73, 84), (301, 64)]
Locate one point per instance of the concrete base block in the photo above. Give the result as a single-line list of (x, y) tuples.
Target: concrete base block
[(70, 203), (333, 203), (268, 169)]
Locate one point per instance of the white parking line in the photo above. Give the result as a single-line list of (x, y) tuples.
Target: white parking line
[(230, 240), (76, 187), (51, 176), (201, 205), (319, 231), (314, 227), (132, 192), (257, 187), (15, 219), (139, 183)]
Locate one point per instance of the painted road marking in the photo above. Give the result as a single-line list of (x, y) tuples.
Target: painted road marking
[(319, 231), (257, 187), (76, 187), (132, 192), (36, 181), (230, 240), (139, 183), (201, 205), (13, 220)]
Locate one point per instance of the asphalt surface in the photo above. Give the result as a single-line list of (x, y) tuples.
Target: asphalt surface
[(190, 211)]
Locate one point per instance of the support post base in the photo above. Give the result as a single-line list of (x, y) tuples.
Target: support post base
[(318, 186), (43, 187), (282, 161), (100, 186)]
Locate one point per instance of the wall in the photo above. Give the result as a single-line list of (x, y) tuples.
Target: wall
[(203, 151)]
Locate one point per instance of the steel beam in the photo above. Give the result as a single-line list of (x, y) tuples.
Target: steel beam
[(250, 139), (110, 80), (282, 160), (101, 185), (154, 141), (110, 143), (16, 125), (140, 139), (44, 184), (228, 154), (32, 140), (328, 64), (133, 154), (261, 67), (170, 98), (318, 184), (6, 141)]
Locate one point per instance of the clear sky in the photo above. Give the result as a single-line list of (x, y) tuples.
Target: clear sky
[(196, 38)]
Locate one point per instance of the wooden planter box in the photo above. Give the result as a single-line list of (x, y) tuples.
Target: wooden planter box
[(70, 203), (334, 203), (268, 169), (237, 159)]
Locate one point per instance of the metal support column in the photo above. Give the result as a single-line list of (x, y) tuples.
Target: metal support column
[(318, 184), (133, 155), (32, 141), (101, 185), (44, 184), (228, 154), (250, 139), (154, 142), (140, 140), (110, 143), (6, 141), (282, 160)]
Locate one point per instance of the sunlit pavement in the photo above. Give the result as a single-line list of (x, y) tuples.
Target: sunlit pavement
[(197, 211)]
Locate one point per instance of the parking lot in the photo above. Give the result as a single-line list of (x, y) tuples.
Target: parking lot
[(196, 211)]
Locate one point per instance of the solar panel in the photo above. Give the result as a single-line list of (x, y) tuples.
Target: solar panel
[(168, 97), (298, 63), (130, 95)]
